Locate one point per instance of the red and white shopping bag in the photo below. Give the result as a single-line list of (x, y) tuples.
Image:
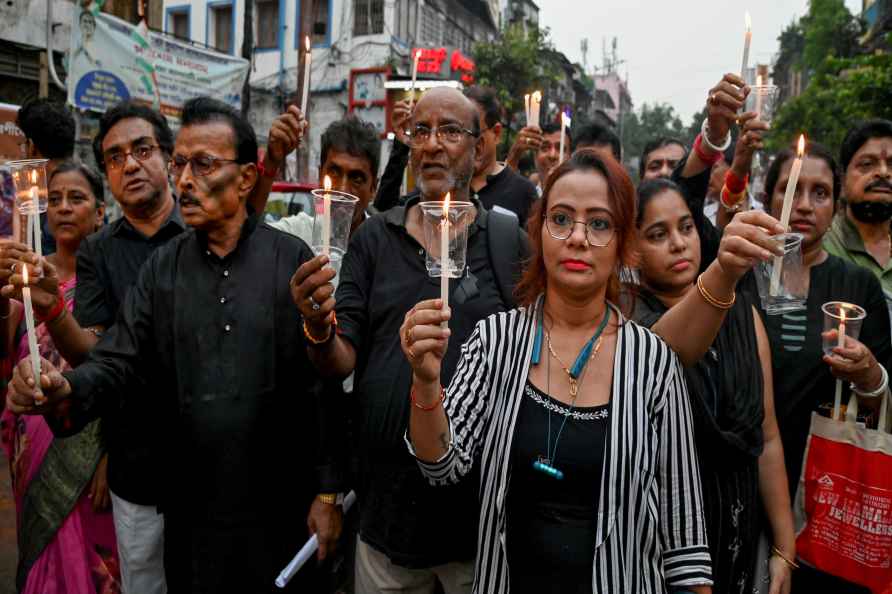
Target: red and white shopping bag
[(843, 508)]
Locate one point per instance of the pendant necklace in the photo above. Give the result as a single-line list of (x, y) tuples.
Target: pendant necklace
[(545, 463)]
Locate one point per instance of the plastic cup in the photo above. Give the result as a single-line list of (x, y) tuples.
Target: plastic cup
[(341, 219), (8, 211), (792, 289), (840, 313), (30, 180), (763, 99), (460, 218)]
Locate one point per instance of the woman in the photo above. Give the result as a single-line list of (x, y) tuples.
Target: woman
[(66, 532), (739, 446), (539, 385), (804, 378)]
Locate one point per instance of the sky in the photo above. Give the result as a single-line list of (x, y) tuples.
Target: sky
[(674, 51)]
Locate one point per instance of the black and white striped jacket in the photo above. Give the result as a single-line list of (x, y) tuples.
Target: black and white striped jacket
[(650, 527)]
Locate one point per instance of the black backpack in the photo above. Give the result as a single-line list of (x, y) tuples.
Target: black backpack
[(508, 250)]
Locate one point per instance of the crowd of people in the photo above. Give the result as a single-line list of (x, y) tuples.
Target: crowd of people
[(603, 406)]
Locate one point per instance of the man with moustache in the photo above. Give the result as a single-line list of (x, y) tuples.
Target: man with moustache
[(548, 154), (411, 534), (210, 320), (660, 157), (133, 147), (860, 232)]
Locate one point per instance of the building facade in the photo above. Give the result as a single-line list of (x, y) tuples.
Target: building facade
[(346, 35)]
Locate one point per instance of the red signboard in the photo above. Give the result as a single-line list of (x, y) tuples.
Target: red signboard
[(440, 62)]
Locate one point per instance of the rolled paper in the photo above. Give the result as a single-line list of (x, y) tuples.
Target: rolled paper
[(306, 551)]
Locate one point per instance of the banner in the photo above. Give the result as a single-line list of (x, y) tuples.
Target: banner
[(111, 60)]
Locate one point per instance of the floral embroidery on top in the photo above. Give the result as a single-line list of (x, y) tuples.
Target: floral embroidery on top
[(599, 414)]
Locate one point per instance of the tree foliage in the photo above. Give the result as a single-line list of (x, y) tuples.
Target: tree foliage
[(649, 122), (829, 29)]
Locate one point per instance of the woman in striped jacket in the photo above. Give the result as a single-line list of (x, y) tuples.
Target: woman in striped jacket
[(579, 419)]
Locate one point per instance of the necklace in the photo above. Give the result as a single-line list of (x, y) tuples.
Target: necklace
[(545, 463)]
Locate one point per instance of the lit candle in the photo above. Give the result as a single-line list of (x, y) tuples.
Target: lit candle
[(790, 193), (747, 37), (308, 61), (29, 325), (565, 123), (444, 256), (415, 59), (34, 214), (840, 342), (535, 103), (526, 108), (326, 216), (759, 91)]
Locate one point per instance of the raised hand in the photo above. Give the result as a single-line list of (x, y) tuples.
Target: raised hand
[(424, 341)]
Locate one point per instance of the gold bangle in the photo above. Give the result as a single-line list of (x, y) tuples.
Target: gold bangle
[(332, 328), (717, 303), (776, 551)]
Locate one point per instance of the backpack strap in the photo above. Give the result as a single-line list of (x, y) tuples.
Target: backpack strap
[(508, 249)]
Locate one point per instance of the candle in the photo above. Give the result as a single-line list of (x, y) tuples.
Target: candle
[(415, 59), (308, 61), (526, 108), (444, 256), (790, 193), (840, 342), (759, 91), (326, 216), (535, 103), (34, 353), (565, 122), (34, 209), (747, 37)]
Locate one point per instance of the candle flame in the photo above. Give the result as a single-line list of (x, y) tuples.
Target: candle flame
[(749, 23), (25, 274), (326, 183), (526, 97), (537, 96), (417, 54), (307, 43), (446, 204), (33, 176), (801, 147), (759, 80)]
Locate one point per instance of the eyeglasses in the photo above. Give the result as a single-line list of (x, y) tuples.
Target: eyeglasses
[(141, 153), (202, 164), (599, 231), (446, 134)]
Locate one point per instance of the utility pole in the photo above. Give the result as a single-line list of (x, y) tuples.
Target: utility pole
[(247, 52)]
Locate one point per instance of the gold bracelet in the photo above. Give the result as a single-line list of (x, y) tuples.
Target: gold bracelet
[(718, 304), (332, 328), (776, 551)]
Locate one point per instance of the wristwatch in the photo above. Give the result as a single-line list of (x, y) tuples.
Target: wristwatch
[(331, 498)]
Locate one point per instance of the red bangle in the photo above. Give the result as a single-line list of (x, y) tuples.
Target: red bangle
[(53, 313), (432, 406), (730, 199), (735, 184), (698, 149)]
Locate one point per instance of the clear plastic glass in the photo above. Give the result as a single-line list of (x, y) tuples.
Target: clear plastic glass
[(792, 288), (341, 219), (841, 315), (460, 218), (764, 100), (30, 180)]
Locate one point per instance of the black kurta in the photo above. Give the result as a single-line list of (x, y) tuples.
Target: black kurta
[(222, 340)]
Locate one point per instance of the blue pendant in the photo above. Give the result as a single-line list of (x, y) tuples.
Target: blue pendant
[(543, 465)]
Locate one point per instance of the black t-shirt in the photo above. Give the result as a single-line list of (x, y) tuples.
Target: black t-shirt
[(383, 276), (511, 191), (802, 380)]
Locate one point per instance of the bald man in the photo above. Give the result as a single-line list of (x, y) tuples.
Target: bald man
[(411, 533)]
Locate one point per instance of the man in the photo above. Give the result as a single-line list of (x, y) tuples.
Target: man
[(860, 232), (496, 185), (211, 321), (411, 534), (597, 136), (133, 147), (49, 130), (350, 153), (660, 157), (548, 155)]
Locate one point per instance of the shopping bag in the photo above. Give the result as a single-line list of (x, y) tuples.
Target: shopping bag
[(843, 507)]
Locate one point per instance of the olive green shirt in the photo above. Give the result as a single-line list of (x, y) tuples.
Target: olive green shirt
[(844, 241)]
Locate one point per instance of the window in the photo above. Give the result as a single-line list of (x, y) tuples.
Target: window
[(220, 27), (405, 15), (322, 22), (178, 22), (266, 24), (368, 17), (430, 26)]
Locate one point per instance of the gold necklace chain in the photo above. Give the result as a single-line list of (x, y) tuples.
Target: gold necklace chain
[(574, 383)]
